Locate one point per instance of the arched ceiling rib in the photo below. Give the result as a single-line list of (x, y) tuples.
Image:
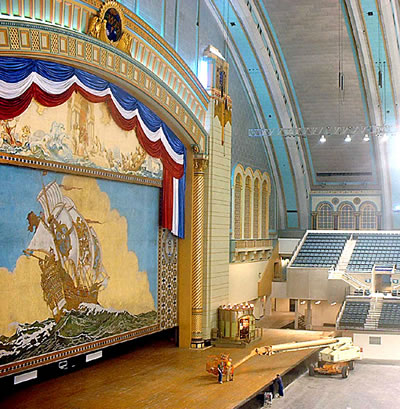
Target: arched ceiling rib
[(315, 39), (250, 39), (251, 90), (294, 52)]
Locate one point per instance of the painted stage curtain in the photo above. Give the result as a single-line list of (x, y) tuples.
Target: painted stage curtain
[(52, 84)]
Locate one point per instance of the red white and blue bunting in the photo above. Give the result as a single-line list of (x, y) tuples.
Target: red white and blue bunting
[(52, 84)]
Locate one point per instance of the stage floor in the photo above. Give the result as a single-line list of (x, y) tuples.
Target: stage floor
[(163, 376)]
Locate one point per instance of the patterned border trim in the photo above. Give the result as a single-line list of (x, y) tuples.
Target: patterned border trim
[(25, 161), (37, 40), (167, 280), (20, 366)]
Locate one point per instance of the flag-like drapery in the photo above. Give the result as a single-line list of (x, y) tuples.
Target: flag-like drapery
[(51, 84)]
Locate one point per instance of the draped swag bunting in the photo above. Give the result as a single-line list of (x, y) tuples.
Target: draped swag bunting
[(52, 84)]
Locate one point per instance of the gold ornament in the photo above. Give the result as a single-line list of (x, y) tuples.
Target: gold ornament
[(109, 26)]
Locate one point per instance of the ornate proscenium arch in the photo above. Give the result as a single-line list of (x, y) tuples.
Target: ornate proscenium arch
[(151, 70), (52, 84)]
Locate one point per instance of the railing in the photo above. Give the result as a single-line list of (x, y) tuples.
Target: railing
[(297, 248), (251, 249)]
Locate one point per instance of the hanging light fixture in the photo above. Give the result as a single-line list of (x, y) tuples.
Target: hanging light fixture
[(348, 138), (322, 139), (366, 137)]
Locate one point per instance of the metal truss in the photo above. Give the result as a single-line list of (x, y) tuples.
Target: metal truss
[(326, 131)]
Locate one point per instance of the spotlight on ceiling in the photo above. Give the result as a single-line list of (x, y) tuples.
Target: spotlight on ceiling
[(317, 302), (348, 138), (366, 138), (333, 303), (322, 139), (302, 302)]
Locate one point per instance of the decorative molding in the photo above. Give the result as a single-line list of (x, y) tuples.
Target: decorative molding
[(148, 47), (25, 161), (109, 26), (45, 359), (65, 45), (251, 250), (200, 164)]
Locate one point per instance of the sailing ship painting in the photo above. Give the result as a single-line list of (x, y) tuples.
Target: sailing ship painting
[(79, 260), (68, 253)]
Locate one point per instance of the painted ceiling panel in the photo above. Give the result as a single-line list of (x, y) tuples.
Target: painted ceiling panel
[(309, 36)]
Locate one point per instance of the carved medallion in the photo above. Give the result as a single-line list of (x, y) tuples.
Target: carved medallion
[(109, 26)]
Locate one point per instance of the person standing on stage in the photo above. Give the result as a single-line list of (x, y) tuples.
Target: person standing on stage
[(229, 370), (220, 372), (279, 383)]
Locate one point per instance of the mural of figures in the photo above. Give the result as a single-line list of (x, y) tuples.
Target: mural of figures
[(78, 260), (77, 132)]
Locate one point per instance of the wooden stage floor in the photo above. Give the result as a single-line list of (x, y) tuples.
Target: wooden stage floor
[(162, 376)]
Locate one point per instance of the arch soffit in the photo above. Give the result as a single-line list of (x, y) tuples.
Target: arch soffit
[(346, 203), (237, 170), (324, 203), (368, 203), (253, 174), (249, 177), (266, 178)]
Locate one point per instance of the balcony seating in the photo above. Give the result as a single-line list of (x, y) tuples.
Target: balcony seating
[(390, 316), (321, 250), (372, 249), (354, 314)]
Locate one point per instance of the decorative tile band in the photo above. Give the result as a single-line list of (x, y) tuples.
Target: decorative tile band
[(45, 359), (167, 305)]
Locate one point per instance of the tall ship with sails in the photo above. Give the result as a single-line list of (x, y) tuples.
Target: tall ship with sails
[(68, 253)]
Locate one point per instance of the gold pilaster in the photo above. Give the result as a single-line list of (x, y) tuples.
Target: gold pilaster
[(199, 165)]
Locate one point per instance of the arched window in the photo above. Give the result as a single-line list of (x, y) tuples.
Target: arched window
[(325, 217), (368, 220), (346, 217), (238, 207), (247, 208), (256, 206), (264, 210)]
